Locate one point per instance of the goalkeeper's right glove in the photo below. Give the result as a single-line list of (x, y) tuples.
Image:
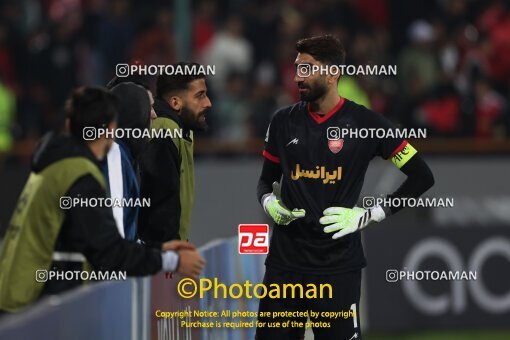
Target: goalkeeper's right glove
[(274, 208)]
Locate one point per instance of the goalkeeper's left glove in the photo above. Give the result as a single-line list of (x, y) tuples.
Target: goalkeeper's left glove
[(346, 221)]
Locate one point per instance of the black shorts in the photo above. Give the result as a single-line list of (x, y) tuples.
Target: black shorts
[(344, 301)]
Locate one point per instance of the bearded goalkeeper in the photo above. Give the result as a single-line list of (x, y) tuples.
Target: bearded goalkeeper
[(316, 237)]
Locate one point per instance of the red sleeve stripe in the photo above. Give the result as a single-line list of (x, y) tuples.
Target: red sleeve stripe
[(397, 150), (270, 157)]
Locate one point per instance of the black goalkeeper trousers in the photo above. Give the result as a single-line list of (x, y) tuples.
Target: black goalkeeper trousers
[(335, 317)]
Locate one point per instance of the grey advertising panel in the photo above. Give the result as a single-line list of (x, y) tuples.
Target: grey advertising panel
[(421, 277)]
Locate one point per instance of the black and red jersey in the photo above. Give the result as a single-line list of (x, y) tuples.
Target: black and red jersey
[(321, 172)]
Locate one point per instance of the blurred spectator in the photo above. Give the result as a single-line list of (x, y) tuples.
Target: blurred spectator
[(263, 98), (203, 27), (495, 22), (373, 11), (156, 44), (439, 112), (7, 112), (7, 69), (263, 20), (349, 88), (49, 47), (232, 110), (489, 110), (418, 69), (229, 51), (114, 34)]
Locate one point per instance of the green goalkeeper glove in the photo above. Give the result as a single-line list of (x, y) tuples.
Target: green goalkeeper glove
[(346, 221), (274, 208)]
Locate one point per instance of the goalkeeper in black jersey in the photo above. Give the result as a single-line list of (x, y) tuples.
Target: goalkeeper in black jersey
[(310, 183)]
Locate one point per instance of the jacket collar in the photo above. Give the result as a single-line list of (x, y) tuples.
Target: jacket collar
[(163, 109)]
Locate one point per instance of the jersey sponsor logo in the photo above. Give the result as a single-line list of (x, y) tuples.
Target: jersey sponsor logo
[(295, 141), (253, 238), (335, 145), (402, 157), (320, 172)]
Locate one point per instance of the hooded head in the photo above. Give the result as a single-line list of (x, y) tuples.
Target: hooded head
[(143, 81), (134, 113)]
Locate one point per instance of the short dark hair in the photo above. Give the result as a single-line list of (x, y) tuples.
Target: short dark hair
[(325, 48), (166, 84), (90, 107)]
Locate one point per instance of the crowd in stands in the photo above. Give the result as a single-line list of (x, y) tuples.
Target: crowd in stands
[(453, 58)]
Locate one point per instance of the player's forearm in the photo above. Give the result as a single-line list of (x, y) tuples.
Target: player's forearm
[(271, 172), (419, 180), (101, 243), (341, 221)]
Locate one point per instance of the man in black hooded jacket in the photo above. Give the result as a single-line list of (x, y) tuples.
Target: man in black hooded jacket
[(121, 164), (48, 232)]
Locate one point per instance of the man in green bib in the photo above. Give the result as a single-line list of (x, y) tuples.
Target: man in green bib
[(167, 168), (60, 224)]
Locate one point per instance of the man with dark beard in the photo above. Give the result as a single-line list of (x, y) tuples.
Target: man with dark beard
[(53, 229), (316, 239), (167, 168)]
